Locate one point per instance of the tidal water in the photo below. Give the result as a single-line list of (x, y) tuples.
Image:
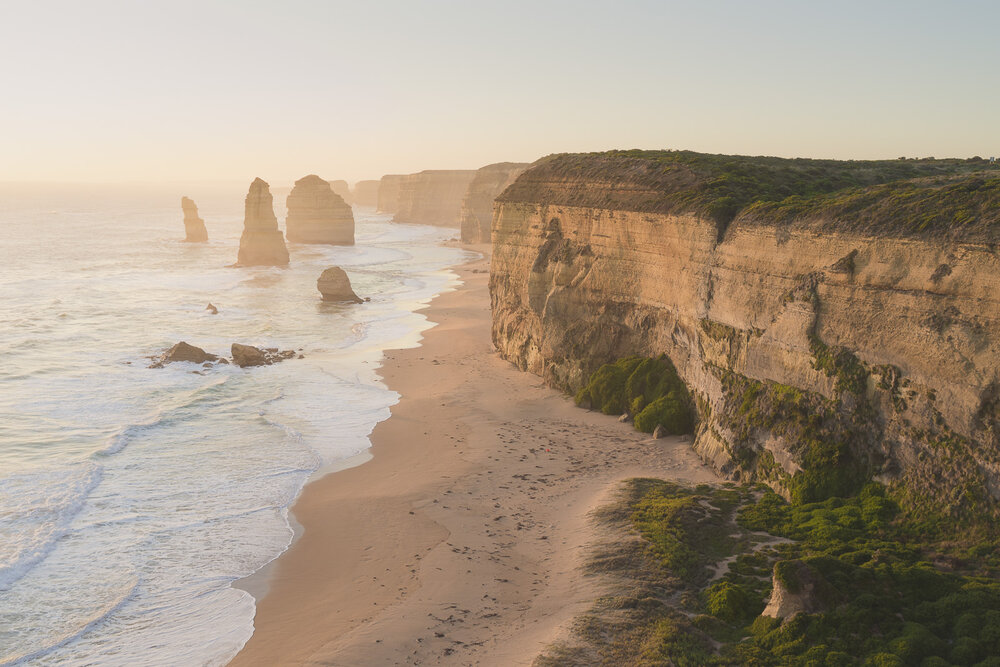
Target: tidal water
[(131, 499)]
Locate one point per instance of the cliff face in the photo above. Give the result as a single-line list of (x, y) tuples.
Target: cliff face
[(365, 193), (433, 197), (316, 214), (262, 243), (342, 189), (814, 352), (477, 205), (194, 227), (388, 193)]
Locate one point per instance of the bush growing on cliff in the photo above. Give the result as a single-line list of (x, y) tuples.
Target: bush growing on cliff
[(649, 389)]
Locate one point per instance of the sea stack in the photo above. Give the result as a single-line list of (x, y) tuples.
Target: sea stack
[(262, 243), (194, 227), (365, 193), (433, 197), (334, 285), (477, 207), (342, 189), (316, 214)]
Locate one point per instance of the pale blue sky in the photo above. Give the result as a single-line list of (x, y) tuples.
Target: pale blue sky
[(227, 90)]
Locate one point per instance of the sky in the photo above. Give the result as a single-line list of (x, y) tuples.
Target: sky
[(220, 90)]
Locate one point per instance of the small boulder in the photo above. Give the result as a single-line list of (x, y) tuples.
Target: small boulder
[(625, 418), (660, 432), (212, 309), (184, 352), (248, 355), (334, 285)]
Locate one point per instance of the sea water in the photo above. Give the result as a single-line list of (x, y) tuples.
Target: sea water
[(131, 498)]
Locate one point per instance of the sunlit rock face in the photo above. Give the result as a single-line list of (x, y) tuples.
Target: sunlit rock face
[(316, 214), (388, 193), (194, 227), (262, 243), (895, 336), (433, 197), (477, 206), (342, 189), (365, 193)]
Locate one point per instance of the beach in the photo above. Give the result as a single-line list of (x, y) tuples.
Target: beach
[(461, 541)]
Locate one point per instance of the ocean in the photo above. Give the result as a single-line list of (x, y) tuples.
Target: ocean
[(132, 499)]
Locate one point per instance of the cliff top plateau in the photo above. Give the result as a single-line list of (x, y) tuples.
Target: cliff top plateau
[(953, 198)]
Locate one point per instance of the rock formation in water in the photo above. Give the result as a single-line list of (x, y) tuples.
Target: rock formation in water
[(248, 355), (262, 243), (849, 333), (342, 189), (316, 214), (194, 227), (184, 352), (477, 205), (433, 197), (388, 193), (334, 285), (365, 193)]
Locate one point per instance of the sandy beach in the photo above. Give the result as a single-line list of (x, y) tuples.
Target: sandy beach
[(461, 541)]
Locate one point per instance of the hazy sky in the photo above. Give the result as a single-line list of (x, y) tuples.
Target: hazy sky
[(228, 90)]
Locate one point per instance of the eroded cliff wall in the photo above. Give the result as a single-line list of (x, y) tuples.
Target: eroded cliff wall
[(477, 205), (433, 197), (815, 356), (365, 193), (388, 193)]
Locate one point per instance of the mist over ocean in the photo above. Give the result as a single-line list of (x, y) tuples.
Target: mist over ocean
[(132, 498)]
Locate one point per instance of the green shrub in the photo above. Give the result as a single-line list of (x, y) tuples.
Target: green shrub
[(732, 603), (672, 413)]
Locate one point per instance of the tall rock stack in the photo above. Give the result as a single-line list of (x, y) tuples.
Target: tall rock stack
[(194, 227), (477, 207), (342, 189), (433, 197), (365, 193), (262, 243), (317, 214), (388, 193)]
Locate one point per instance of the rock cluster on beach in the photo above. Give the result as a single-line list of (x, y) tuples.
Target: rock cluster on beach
[(184, 352), (194, 227), (242, 356), (334, 285), (316, 214), (262, 243)]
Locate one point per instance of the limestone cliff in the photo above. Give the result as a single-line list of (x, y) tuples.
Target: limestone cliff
[(826, 337), (316, 214), (365, 193), (477, 205), (194, 227), (262, 243), (388, 193), (433, 197), (342, 189)]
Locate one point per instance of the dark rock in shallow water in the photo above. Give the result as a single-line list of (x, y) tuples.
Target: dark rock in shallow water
[(334, 285), (248, 355), (184, 352), (212, 309)]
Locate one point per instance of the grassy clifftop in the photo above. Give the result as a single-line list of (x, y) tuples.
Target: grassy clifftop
[(959, 199)]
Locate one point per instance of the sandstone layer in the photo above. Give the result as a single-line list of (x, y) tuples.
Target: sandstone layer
[(874, 346), (388, 193), (365, 193), (477, 206), (342, 189), (194, 226), (433, 197), (262, 243), (316, 214)]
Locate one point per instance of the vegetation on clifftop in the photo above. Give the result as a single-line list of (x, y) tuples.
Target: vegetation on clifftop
[(957, 198)]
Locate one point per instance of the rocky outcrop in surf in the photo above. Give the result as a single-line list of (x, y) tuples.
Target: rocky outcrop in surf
[(194, 226), (365, 193), (433, 197), (184, 352), (262, 243), (316, 214), (848, 333), (477, 205), (334, 285), (246, 356), (388, 193)]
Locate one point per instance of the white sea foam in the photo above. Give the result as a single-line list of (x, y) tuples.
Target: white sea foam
[(131, 498)]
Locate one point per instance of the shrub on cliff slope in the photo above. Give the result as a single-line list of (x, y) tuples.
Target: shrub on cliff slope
[(649, 389)]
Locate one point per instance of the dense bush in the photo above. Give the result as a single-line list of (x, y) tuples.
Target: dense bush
[(649, 389)]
